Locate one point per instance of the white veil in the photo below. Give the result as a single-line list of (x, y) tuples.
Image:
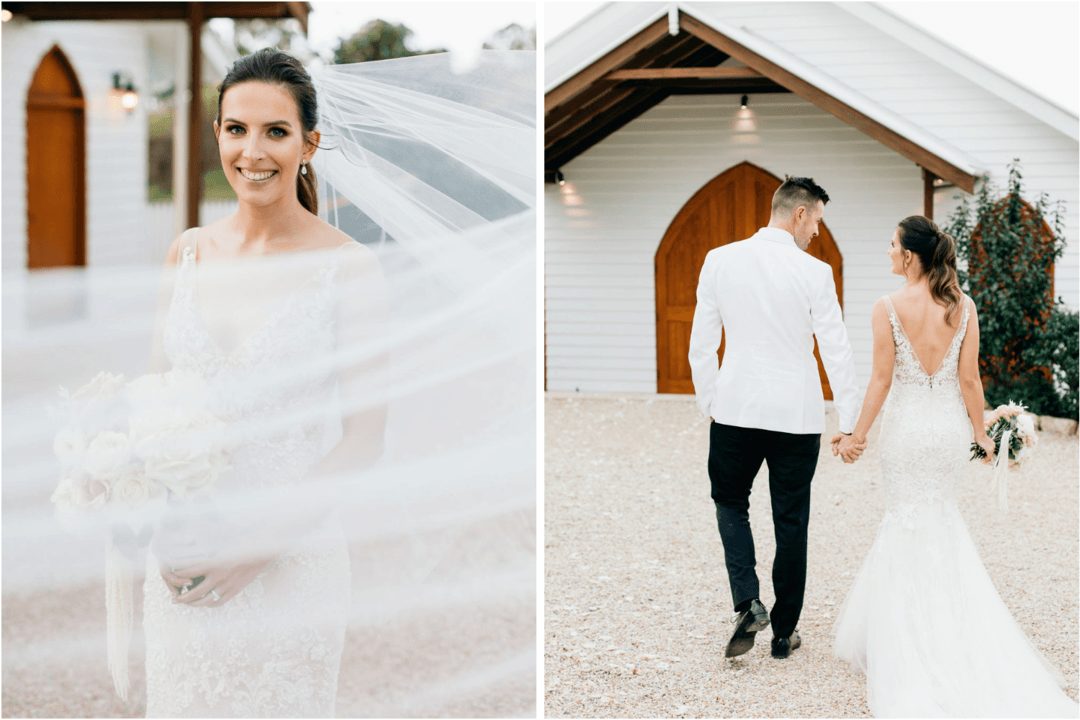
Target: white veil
[(434, 174)]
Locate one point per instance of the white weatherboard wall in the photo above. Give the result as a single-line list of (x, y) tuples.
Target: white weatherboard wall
[(116, 142), (890, 65), (604, 226)]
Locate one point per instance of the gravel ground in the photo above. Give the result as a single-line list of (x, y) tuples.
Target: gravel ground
[(637, 605), (432, 636)]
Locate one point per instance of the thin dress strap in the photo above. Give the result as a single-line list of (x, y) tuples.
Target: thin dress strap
[(892, 313), (189, 252)]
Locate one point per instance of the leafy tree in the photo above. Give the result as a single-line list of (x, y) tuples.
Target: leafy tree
[(1007, 248), (253, 34), (377, 40), (512, 37)]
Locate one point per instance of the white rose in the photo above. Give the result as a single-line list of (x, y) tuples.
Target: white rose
[(93, 492), (182, 475), (80, 492), (185, 460), (107, 454), (133, 489), (1025, 425)]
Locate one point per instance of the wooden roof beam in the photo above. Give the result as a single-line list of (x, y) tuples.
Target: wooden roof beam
[(572, 146), (844, 112), (40, 11), (614, 59), (686, 73), (657, 55), (559, 124)]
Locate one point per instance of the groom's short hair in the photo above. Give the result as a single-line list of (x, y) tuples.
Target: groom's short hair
[(796, 191)]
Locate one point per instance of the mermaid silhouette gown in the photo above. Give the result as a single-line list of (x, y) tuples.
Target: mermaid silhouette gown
[(923, 620)]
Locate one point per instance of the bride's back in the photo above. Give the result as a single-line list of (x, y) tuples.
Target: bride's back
[(926, 324)]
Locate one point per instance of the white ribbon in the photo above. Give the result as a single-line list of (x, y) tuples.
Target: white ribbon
[(999, 475), (120, 616)]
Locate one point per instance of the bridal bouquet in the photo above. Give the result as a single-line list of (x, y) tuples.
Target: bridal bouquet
[(124, 444), (1013, 433), (1011, 427)]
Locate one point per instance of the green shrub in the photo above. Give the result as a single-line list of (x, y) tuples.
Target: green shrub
[(1006, 250), (1056, 348)]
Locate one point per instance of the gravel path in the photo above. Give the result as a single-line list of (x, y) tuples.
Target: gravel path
[(637, 605), (431, 636)]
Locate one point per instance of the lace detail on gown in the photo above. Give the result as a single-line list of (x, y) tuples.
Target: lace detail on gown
[(275, 649), (923, 620)]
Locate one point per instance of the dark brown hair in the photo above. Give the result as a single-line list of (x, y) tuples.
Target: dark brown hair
[(272, 66), (796, 191), (937, 253)]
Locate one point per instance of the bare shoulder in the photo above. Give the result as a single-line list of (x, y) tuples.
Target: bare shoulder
[(182, 240), (879, 313), (324, 236)]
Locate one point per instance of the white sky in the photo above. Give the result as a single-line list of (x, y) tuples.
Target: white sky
[(457, 26), (1035, 43)]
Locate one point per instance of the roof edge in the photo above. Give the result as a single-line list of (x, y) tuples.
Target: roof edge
[(842, 92), (600, 51), (937, 48)]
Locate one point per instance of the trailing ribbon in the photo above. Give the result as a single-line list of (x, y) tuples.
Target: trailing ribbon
[(120, 616), (999, 475)]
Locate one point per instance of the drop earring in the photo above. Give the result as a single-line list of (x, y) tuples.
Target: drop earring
[(303, 167)]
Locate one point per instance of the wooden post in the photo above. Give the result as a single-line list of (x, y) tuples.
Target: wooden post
[(195, 119), (928, 193)]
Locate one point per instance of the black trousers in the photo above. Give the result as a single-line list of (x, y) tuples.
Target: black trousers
[(735, 456)]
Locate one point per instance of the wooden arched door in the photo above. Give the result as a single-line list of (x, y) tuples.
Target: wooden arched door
[(730, 207), (55, 165)]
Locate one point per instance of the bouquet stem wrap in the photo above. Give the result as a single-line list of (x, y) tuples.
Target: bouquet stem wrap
[(1000, 475), (120, 616)]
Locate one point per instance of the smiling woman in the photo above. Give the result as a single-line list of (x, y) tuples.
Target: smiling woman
[(265, 127), (331, 458)]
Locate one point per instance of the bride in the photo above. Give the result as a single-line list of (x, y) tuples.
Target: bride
[(341, 406), (923, 620), (260, 631)]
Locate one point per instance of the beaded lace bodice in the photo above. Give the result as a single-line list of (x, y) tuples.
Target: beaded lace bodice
[(274, 649), (925, 429)]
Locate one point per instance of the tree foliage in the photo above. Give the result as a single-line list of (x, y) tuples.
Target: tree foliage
[(1006, 249), (512, 37), (377, 40)]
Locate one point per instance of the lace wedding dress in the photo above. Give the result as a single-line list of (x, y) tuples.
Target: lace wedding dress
[(274, 649), (923, 620)]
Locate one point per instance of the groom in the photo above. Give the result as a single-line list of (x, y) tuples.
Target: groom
[(765, 401)]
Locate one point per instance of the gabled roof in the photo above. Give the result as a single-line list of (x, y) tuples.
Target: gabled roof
[(626, 57), (979, 73)]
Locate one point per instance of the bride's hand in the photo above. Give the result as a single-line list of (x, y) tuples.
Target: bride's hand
[(988, 447), (220, 583)]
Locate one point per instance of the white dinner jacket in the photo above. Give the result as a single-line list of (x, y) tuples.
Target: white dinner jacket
[(772, 298)]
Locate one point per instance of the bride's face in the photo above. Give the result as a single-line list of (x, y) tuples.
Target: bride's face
[(896, 254), (261, 142)]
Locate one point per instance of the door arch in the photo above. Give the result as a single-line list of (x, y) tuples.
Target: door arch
[(730, 207), (55, 165)]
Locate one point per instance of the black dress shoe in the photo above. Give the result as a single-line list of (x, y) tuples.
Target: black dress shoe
[(747, 624), (782, 646)]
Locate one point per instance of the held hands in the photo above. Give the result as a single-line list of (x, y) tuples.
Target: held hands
[(847, 447), (211, 583)]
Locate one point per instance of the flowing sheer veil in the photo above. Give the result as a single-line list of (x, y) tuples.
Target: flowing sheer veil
[(433, 174)]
